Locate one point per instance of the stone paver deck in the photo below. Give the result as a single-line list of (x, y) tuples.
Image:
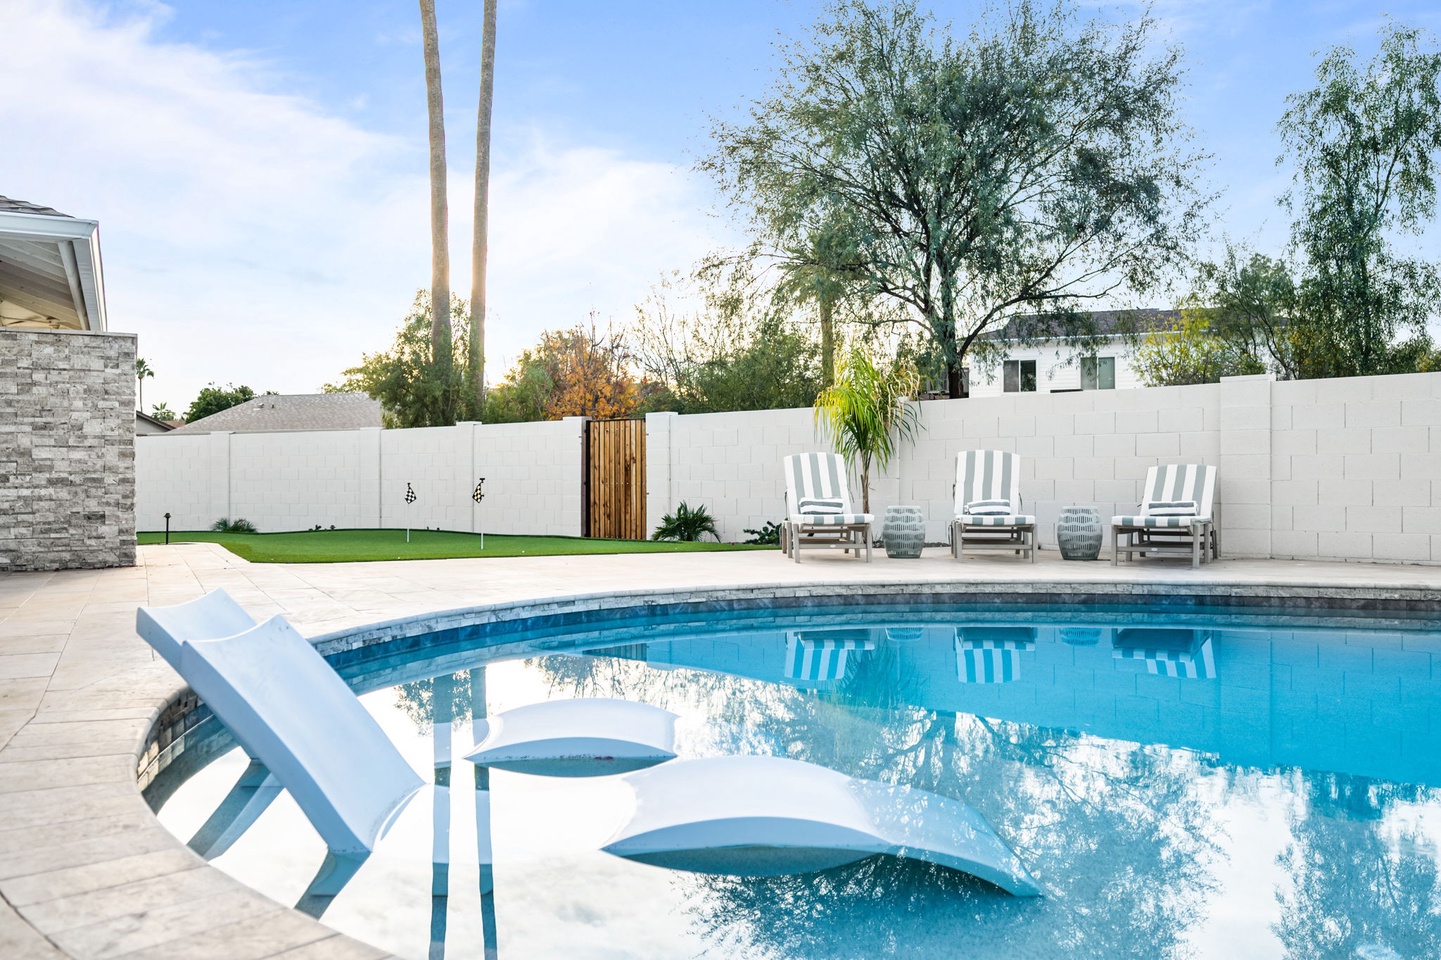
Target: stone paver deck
[(86, 871)]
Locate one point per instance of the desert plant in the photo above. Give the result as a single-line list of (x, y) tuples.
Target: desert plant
[(865, 414), (686, 524), (768, 535), (238, 525)]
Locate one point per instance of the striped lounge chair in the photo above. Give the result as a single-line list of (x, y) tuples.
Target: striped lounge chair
[(988, 504), (818, 507), (1175, 519)]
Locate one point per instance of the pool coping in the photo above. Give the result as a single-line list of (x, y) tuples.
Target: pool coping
[(87, 871)]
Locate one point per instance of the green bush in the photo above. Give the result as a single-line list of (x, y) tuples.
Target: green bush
[(239, 525), (686, 525), (768, 535)]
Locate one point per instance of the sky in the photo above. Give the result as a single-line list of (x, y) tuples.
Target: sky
[(259, 169)]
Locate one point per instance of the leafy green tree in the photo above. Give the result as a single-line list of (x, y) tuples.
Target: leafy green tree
[(1030, 168), (1254, 305), (413, 392), (739, 351), (213, 399), (1193, 352), (162, 411), (1366, 142), (578, 372), (865, 414)]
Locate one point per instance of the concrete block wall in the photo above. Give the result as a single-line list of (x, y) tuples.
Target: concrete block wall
[(1334, 469), (67, 450), (358, 478)]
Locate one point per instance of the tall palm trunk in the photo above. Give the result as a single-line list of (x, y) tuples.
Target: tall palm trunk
[(439, 215), (482, 204)]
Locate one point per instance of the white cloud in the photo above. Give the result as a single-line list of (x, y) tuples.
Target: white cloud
[(252, 236)]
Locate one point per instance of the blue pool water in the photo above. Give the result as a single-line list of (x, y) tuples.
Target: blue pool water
[(1191, 783)]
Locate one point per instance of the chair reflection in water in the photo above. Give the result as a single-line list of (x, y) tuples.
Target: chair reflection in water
[(987, 654), (818, 657), (1167, 651)]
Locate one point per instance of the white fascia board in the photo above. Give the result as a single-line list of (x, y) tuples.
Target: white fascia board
[(83, 238)]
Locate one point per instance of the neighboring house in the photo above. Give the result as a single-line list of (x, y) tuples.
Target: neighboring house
[(1054, 366), (276, 412), (67, 390), (146, 425)]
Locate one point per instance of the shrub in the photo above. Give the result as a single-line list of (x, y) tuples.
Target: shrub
[(238, 525), (686, 524), (768, 535)]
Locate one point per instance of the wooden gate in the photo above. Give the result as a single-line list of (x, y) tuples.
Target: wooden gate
[(615, 479)]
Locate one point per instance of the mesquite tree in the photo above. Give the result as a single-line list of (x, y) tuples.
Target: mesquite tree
[(1034, 166)]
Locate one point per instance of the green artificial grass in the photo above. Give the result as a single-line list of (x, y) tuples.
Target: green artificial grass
[(339, 546)]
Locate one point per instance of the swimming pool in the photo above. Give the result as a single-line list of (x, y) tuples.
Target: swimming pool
[(1198, 781)]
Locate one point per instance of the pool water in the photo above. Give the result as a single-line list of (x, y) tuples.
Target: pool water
[(1187, 784)]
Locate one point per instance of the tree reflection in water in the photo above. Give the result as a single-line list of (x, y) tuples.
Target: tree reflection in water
[(1116, 833), (1362, 884)]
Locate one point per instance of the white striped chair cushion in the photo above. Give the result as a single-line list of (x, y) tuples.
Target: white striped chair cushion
[(987, 475), (989, 507), (1169, 508), (835, 505), (1179, 482), (819, 476), (1142, 520), (999, 520), (832, 519)]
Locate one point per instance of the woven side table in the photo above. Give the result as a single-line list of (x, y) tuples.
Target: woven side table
[(1079, 533), (904, 532)]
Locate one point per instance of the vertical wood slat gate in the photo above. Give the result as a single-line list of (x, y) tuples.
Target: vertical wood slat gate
[(615, 479)]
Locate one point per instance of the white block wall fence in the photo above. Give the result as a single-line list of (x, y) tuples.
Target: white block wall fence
[(1330, 469)]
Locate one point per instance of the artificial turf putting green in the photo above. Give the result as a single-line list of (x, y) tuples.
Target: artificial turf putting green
[(339, 546)]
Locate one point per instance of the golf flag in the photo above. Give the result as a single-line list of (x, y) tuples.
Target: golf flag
[(409, 494), (477, 496)]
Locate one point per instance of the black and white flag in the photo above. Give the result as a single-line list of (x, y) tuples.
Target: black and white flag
[(409, 494), (477, 496)]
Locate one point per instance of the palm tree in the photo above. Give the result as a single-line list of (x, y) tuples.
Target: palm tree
[(142, 370), (821, 270), (439, 216), (865, 414), (482, 204)]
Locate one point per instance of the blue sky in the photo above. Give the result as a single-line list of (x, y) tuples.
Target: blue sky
[(258, 168)]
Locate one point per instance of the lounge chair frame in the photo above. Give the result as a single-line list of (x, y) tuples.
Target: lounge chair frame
[(984, 475), (797, 533), (1196, 538)]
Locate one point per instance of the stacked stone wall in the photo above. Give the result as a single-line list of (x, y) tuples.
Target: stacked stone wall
[(67, 450)]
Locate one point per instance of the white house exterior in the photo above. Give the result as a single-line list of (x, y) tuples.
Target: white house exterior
[(1054, 367), (1064, 366)]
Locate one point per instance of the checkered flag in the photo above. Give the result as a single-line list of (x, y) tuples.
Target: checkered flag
[(477, 496), (409, 494)]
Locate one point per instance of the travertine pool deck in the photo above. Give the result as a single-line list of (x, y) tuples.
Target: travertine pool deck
[(86, 870)]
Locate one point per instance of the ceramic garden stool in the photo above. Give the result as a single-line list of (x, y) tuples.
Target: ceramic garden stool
[(1079, 533), (904, 532)]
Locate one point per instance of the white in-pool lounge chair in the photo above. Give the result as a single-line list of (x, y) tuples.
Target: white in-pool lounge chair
[(988, 506), (294, 714), (1175, 519), (818, 507)]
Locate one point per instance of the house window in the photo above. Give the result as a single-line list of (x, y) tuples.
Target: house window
[(1020, 376), (1098, 373)]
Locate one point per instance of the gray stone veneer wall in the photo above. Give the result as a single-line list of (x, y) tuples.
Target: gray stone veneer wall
[(67, 450)]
